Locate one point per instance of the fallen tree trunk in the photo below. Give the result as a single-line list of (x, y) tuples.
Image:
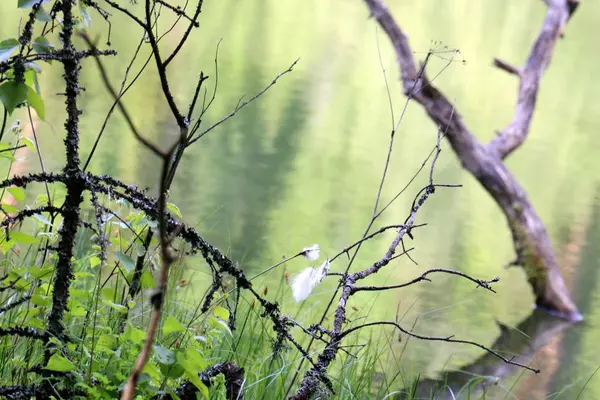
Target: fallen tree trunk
[(532, 244)]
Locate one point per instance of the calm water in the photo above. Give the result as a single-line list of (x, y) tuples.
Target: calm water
[(302, 165)]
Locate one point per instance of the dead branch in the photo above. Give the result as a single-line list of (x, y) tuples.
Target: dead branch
[(531, 241), (530, 76), (449, 339)]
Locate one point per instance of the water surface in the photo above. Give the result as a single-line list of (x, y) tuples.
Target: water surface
[(302, 165)]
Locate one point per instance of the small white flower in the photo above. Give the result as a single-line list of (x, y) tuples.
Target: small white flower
[(312, 253), (305, 281)]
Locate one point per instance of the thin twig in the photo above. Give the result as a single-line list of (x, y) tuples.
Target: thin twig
[(115, 95), (480, 283), (238, 107), (448, 339), (39, 153)]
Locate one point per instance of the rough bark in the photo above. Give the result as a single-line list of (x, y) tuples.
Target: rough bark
[(532, 244), (73, 182)]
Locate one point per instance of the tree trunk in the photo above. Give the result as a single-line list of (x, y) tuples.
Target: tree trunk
[(485, 162)]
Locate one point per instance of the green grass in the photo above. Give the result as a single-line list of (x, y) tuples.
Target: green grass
[(107, 328)]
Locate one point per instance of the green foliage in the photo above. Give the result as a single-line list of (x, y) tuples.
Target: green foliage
[(29, 3), (105, 320), (13, 94), (105, 325), (7, 48)]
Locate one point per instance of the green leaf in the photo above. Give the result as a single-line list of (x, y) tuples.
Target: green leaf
[(191, 372), (42, 15), (119, 307), (195, 358), (87, 19), (198, 383), (17, 192), (7, 47), (23, 238), (29, 3), (6, 246), (76, 309), (153, 372), (41, 199), (164, 355), (172, 371), (174, 209), (27, 143), (82, 274), (31, 76), (39, 272), (219, 324), (36, 323), (82, 294), (172, 325), (42, 219), (108, 293), (6, 151), (39, 300), (42, 45), (12, 94), (10, 209), (106, 340), (221, 313), (134, 334), (35, 101), (147, 280), (126, 261), (94, 261), (59, 363)]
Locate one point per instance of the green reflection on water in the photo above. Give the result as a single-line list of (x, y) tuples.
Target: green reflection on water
[(302, 165)]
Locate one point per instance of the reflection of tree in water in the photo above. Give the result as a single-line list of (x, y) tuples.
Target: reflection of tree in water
[(261, 176), (523, 341), (563, 361), (575, 364), (239, 172), (255, 179)]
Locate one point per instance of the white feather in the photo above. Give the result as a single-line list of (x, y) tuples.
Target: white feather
[(304, 283), (312, 253)]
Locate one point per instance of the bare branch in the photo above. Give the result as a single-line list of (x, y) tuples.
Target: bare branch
[(192, 25), (122, 91), (238, 107), (161, 67), (179, 11), (513, 135), (117, 99), (480, 282), (511, 69), (117, 7), (448, 339), (372, 235), (531, 241)]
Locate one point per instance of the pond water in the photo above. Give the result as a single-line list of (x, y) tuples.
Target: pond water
[(302, 165)]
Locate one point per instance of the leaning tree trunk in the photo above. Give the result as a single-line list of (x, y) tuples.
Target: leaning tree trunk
[(485, 162)]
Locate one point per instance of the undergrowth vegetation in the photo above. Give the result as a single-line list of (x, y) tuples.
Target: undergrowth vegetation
[(95, 293)]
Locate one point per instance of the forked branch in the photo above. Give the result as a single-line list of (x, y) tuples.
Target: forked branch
[(531, 241)]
